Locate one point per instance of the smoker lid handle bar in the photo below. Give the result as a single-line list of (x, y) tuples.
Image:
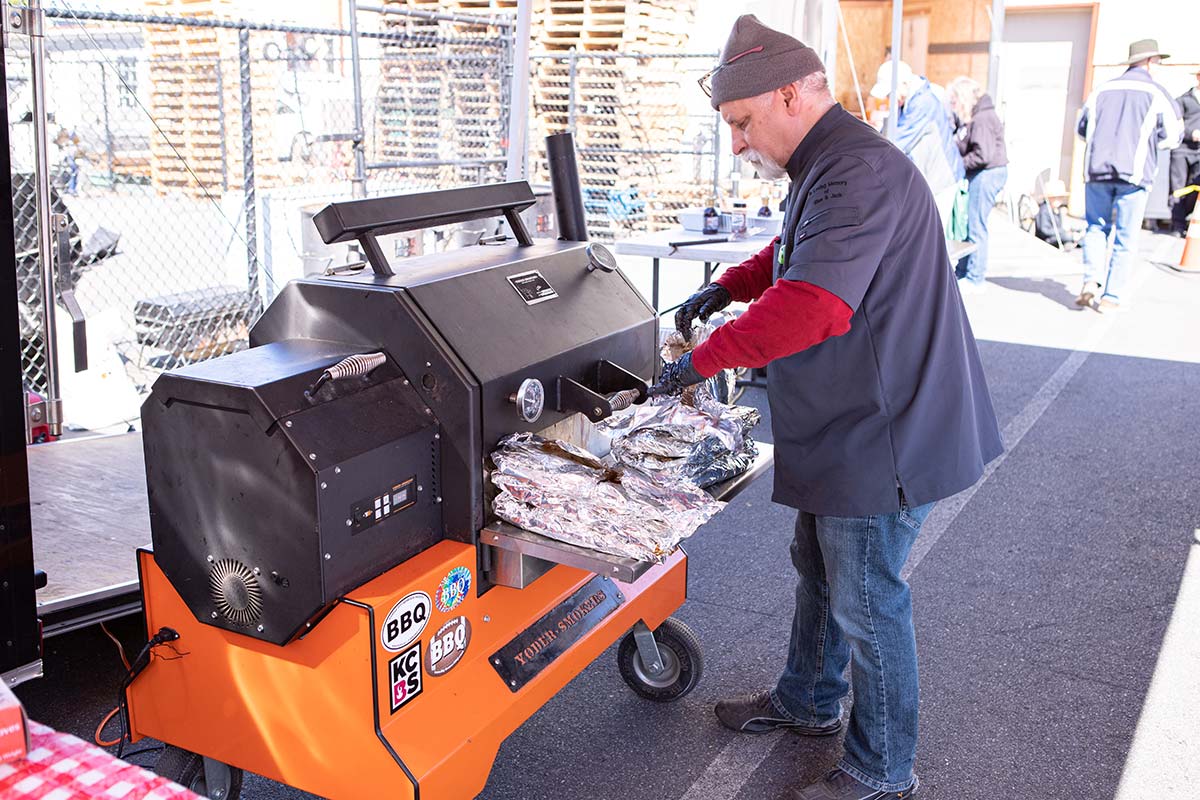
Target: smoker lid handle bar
[(365, 220)]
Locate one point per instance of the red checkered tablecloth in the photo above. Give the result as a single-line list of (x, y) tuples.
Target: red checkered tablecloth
[(61, 767)]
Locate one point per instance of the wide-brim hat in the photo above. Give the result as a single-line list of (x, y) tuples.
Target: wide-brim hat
[(1143, 49)]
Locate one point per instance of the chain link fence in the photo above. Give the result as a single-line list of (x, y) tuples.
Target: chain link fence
[(190, 154), (644, 154)]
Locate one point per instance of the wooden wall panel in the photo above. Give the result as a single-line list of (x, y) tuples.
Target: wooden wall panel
[(958, 21), (962, 26), (943, 68), (966, 26), (869, 28)]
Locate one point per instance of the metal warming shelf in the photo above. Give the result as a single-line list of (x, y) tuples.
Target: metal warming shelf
[(546, 552)]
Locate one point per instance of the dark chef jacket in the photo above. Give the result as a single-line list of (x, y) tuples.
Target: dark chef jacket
[(899, 403)]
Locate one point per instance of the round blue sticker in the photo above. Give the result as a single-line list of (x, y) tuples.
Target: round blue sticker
[(453, 589)]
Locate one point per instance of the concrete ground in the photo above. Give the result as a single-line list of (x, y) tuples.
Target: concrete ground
[(1056, 601)]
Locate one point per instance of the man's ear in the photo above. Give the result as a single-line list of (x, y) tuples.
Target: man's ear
[(790, 95)]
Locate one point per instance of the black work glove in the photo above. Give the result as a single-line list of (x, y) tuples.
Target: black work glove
[(702, 304), (676, 376)]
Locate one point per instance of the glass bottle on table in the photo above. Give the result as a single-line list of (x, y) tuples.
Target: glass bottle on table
[(764, 193), (737, 219), (712, 218)]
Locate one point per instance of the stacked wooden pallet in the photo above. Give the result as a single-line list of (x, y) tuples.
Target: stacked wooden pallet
[(408, 118), (195, 99), (622, 105), (441, 102)]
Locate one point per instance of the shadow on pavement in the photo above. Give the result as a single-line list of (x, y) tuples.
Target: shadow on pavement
[(1050, 289)]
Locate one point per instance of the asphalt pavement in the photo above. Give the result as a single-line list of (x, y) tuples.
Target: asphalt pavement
[(1041, 598)]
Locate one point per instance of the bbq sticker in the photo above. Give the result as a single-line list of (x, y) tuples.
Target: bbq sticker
[(405, 622), (453, 589), (405, 673), (447, 646)]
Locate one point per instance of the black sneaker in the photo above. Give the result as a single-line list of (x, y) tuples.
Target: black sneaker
[(839, 785), (756, 713)]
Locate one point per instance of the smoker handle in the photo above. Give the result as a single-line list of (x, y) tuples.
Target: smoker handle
[(613, 388), (359, 365), (366, 220), (66, 289)]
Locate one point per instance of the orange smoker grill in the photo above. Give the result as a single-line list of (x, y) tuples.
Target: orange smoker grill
[(322, 542)]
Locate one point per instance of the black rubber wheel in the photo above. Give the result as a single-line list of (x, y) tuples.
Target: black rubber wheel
[(187, 769), (1026, 212), (683, 663)]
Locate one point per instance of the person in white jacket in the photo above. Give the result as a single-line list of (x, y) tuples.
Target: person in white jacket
[(1125, 122)]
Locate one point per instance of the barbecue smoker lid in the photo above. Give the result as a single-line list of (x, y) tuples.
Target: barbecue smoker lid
[(267, 382), (501, 308)]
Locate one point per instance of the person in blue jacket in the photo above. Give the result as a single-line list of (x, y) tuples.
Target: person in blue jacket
[(924, 133)]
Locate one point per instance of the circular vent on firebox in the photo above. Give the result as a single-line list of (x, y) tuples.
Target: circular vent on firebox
[(235, 591)]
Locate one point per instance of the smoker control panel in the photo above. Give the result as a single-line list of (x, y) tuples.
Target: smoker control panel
[(372, 510)]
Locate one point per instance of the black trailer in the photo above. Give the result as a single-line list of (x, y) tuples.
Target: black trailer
[(20, 656)]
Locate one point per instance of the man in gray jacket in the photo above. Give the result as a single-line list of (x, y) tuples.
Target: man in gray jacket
[(1125, 122)]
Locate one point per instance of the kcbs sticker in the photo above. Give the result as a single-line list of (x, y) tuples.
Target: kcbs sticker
[(405, 672), (405, 622), (453, 589), (447, 646)]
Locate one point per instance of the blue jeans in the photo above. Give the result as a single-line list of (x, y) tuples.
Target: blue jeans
[(852, 607), (1112, 205), (982, 189)]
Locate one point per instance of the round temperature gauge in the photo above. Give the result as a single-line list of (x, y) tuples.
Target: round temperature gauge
[(600, 258), (530, 399)]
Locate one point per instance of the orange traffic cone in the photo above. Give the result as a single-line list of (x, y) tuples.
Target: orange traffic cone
[(1190, 260)]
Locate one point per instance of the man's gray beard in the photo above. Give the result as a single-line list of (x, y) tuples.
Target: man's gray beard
[(766, 168)]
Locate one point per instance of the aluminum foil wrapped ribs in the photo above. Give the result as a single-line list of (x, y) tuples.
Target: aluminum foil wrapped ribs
[(563, 492), (704, 442)]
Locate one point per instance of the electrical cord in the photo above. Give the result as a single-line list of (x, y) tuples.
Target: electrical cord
[(164, 636), (100, 729), (108, 717), (154, 748), (117, 642)]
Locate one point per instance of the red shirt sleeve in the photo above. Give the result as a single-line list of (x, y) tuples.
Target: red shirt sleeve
[(748, 280), (789, 317)]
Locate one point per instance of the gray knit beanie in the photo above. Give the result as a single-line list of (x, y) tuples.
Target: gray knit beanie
[(757, 59)]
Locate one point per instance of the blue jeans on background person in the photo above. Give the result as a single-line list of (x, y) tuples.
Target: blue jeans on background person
[(983, 187), (851, 600), (1118, 205)]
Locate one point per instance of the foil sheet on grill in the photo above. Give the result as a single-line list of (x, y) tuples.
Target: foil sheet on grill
[(692, 437), (564, 492), (705, 443)]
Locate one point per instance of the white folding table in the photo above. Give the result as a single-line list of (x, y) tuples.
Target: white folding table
[(660, 244)]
